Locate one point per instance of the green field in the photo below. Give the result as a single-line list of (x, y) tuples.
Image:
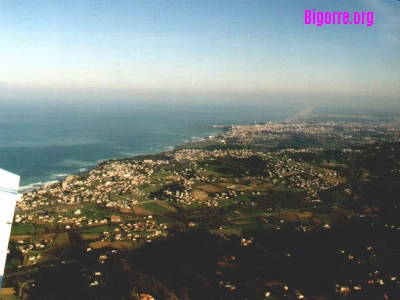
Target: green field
[(27, 228), (90, 211), (226, 202), (61, 239), (155, 207), (96, 229), (251, 211), (22, 229), (164, 174), (194, 205), (8, 297), (244, 198), (149, 188)]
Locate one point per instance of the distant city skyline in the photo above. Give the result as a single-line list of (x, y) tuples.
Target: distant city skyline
[(226, 51)]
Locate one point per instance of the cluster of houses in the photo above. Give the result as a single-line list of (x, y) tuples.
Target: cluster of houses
[(146, 230), (354, 133), (117, 184)]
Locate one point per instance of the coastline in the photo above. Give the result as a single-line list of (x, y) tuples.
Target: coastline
[(61, 177), (210, 130)]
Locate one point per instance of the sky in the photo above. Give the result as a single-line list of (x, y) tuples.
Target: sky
[(227, 51)]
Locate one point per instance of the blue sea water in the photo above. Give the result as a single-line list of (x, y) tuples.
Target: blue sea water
[(45, 142)]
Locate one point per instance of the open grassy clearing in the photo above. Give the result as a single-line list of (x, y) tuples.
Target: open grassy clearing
[(244, 198), (155, 208), (138, 209), (125, 210), (194, 205), (164, 174), (208, 173), (290, 173), (90, 211), (199, 195), (334, 179), (114, 245), (242, 222), (90, 237), (265, 186), (227, 231), (226, 202), (146, 188), (22, 229), (232, 184), (96, 229), (20, 237), (305, 214), (167, 206), (168, 220), (288, 217), (209, 188), (333, 164), (7, 291), (61, 239)]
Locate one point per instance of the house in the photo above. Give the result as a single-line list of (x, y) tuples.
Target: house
[(115, 219)]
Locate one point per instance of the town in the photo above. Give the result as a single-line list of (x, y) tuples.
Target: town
[(245, 179)]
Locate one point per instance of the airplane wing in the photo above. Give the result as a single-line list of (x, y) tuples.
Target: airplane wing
[(9, 184)]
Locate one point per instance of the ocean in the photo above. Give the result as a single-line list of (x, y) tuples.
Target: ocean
[(44, 142)]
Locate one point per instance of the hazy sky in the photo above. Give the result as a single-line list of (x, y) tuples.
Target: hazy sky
[(198, 50)]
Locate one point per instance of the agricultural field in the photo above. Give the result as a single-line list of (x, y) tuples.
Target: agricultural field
[(290, 173), (288, 217), (153, 207), (167, 206), (21, 229), (114, 245), (199, 195), (209, 188), (95, 230), (334, 179), (20, 237), (139, 210), (227, 231), (226, 202), (265, 186), (91, 211), (208, 173), (163, 174), (90, 237), (8, 293), (61, 239), (146, 188)]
